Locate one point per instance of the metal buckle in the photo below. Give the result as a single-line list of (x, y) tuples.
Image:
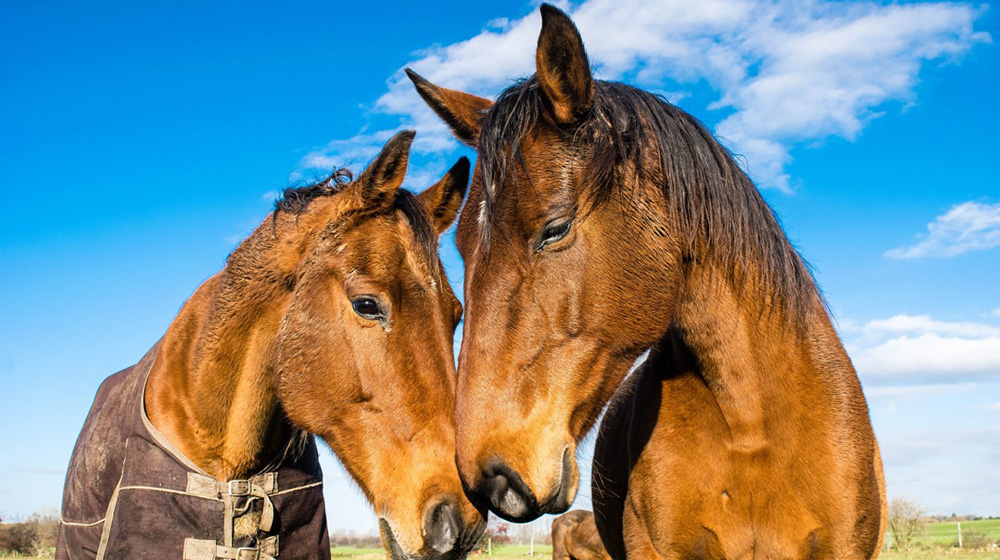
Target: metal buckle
[(239, 487), (247, 553)]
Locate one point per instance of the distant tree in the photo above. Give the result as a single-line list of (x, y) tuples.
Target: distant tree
[(539, 530), (351, 539), (47, 524), (496, 533), (905, 522), (19, 538)]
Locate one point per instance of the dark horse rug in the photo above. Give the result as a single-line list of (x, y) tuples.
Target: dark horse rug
[(130, 494)]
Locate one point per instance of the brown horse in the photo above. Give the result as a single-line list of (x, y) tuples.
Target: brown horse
[(333, 318), (603, 221), (575, 537)]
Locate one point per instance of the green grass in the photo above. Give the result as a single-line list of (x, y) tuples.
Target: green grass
[(935, 543), (544, 552), (350, 552), (946, 532), (519, 550), (940, 553)]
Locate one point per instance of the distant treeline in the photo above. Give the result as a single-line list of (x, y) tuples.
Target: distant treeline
[(26, 538), (350, 539)]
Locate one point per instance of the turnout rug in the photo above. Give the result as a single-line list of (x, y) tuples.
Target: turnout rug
[(130, 494)]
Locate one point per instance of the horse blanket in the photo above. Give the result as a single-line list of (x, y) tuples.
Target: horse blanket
[(130, 494)]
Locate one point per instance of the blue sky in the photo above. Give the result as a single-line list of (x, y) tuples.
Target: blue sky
[(139, 143)]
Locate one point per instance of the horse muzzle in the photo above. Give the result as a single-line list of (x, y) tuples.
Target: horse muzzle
[(446, 535), (507, 494)]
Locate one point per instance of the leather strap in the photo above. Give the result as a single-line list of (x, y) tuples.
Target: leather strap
[(201, 549)]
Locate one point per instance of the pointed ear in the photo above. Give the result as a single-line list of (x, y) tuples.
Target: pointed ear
[(562, 67), (463, 112), (444, 199), (383, 176)]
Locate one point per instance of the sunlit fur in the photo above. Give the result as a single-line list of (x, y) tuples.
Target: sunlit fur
[(575, 537), (271, 345), (750, 436)]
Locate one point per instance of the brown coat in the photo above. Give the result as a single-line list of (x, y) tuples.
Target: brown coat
[(575, 537)]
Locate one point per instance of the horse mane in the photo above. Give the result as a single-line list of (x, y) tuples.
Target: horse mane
[(719, 212), (296, 200)]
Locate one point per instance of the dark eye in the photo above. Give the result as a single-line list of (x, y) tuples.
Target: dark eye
[(553, 232), (368, 308)]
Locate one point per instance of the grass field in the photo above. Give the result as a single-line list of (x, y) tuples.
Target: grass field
[(947, 532), (935, 543), (543, 553)]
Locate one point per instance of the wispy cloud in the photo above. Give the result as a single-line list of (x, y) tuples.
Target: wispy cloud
[(917, 391), (358, 149), (924, 324), (932, 355), (787, 72), (919, 350), (970, 226), (918, 447)]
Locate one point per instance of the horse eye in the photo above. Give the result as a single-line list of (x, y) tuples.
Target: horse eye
[(553, 233), (368, 308)]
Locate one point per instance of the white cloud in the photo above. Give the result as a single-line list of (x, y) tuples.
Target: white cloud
[(917, 391), (338, 153), (970, 226), (923, 324), (919, 447), (916, 349), (789, 71), (931, 355), (995, 407)]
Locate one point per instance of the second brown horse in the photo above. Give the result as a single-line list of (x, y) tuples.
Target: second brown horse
[(334, 318), (575, 537)]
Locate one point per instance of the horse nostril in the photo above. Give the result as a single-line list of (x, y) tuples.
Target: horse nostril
[(561, 500), (442, 528), (509, 496), (395, 551)]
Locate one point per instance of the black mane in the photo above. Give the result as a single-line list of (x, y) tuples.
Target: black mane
[(296, 200), (715, 205)]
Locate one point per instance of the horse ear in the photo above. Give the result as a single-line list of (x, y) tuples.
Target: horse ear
[(562, 67), (383, 176), (461, 111), (443, 200)]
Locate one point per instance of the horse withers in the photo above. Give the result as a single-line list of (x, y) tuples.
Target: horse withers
[(602, 222), (333, 318)]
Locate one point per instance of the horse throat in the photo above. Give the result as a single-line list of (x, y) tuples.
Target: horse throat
[(211, 390), (759, 366)]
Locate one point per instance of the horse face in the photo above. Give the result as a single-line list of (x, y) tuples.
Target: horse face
[(563, 291), (365, 353), (562, 295)]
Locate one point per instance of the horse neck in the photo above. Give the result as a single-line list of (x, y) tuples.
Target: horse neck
[(766, 371), (211, 390)]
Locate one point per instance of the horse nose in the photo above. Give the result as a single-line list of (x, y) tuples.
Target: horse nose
[(443, 530), (509, 497), (512, 499)]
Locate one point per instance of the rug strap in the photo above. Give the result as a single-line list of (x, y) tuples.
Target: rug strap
[(201, 549)]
